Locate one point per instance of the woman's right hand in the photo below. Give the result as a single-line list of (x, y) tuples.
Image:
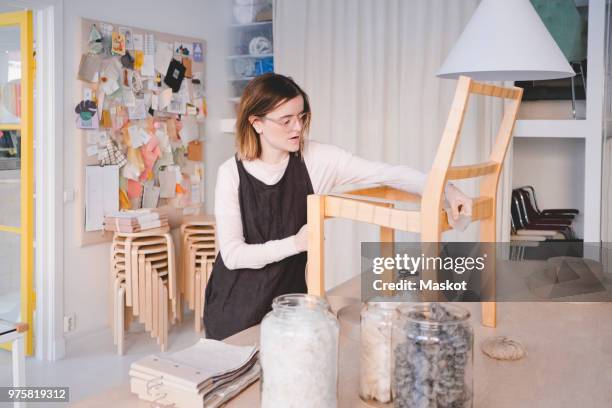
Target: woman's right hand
[(301, 239)]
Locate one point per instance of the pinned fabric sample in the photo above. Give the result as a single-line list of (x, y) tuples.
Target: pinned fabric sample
[(194, 150), (171, 129), (88, 68), (124, 201), (135, 159), (106, 121), (174, 75), (127, 60), (138, 59), (113, 155), (134, 189), (87, 115), (150, 152), (187, 63), (107, 37), (86, 109), (95, 41)]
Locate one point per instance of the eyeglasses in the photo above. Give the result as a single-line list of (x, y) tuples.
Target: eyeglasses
[(288, 122)]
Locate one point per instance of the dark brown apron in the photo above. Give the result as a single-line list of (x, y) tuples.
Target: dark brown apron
[(239, 298)]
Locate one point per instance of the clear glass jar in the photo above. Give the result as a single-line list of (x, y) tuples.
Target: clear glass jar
[(432, 356), (375, 357), (299, 353)]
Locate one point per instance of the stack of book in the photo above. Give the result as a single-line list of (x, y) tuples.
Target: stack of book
[(207, 374), (135, 220)]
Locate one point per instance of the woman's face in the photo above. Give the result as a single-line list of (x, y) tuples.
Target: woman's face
[(281, 128)]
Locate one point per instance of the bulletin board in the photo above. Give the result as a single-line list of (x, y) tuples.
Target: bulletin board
[(139, 114)]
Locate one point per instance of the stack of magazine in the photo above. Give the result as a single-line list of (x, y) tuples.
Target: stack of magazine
[(207, 374)]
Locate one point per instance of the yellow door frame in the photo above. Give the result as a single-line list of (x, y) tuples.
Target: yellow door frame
[(23, 19)]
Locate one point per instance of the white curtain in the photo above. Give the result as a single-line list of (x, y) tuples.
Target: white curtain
[(369, 67)]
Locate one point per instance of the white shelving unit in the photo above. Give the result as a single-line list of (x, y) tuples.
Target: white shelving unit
[(589, 130), (239, 52)]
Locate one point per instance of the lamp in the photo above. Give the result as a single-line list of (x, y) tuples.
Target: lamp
[(506, 40)]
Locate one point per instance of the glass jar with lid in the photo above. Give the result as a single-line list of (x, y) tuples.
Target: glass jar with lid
[(299, 353), (375, 356), (432, 356)]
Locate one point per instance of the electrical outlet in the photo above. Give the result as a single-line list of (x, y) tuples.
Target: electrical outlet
[(69, 323), (68, 196)]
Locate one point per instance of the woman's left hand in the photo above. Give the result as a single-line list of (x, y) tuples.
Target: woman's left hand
[(459, 202)]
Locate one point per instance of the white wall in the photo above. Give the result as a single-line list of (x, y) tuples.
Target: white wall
[(86, 269)]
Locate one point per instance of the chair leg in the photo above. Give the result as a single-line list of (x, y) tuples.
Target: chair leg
[(179, 307), (127, 318), (135, 281), (196, 315), (190, 278), (140, 271), (172, 291), (116, 310), (18, 358), (120, 334), (148, 297), (165, 317), (155, 307), (129, 281)]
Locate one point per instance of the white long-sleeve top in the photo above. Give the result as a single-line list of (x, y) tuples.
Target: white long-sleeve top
[(328, 167)]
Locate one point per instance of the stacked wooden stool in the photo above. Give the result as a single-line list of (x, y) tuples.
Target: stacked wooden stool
[(199, 249), (143, 281)]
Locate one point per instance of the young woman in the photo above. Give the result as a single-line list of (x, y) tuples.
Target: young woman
[(260, 202)]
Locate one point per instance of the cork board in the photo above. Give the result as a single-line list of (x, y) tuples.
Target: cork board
[(122, 126)]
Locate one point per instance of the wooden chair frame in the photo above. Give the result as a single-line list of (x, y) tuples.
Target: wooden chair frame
[(431, 220)]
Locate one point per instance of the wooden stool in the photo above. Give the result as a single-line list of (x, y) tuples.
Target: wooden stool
[(143, 277), (199, 249)]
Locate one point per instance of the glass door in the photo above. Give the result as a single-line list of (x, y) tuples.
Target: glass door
[(17, 300)]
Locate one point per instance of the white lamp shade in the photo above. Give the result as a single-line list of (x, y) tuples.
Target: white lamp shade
[(506, 40)]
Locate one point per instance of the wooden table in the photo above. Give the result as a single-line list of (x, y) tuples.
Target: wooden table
[(568, 362)]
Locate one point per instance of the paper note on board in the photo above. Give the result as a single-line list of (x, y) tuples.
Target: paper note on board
[(151, 196), (148, 66), (138, 42), (136, 139), (189, 130), (92, 150), (163, 56), (164, 99), (101, 195)]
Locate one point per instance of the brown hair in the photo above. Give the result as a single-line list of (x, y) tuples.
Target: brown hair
[(261, 96)]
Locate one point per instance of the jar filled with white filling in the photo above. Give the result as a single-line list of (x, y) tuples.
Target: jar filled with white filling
[(375, 357), (299, 353)]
